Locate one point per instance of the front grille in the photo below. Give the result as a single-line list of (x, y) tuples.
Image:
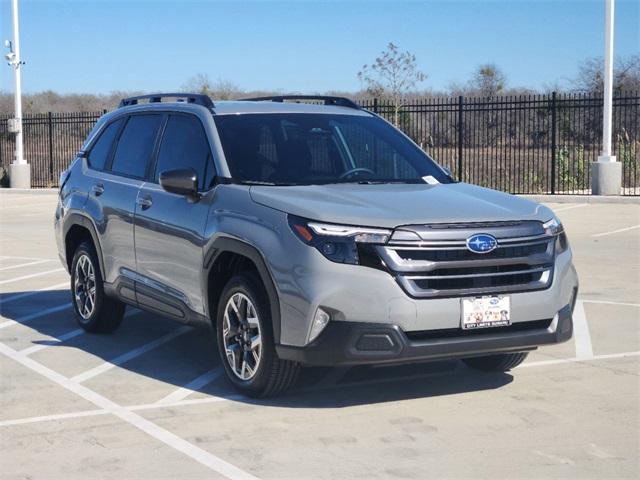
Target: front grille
[(441, 255), (472, 283), (439, 264)]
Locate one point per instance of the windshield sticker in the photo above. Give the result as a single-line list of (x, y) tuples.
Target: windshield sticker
[(431, 180)]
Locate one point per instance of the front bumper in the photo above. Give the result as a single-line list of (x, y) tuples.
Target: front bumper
[(353, 343)]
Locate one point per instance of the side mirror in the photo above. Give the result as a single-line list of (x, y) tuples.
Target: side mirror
[(181, 181)]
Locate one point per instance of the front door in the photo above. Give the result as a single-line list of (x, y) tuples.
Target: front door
[(169, 228)]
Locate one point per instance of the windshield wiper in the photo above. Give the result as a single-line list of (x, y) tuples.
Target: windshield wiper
[(374, 182), (382, 182), (267, 184)]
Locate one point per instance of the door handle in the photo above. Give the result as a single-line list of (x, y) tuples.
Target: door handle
[(97, 189), (144, 202)]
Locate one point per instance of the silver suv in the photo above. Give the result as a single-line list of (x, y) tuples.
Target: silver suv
[(304, 231)]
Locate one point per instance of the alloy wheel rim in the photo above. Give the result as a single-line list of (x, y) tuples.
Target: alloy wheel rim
[(84, 288), (242, 336)]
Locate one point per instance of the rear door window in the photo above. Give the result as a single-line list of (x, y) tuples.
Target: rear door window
[(184, 145), (101, 149), (135, 146)]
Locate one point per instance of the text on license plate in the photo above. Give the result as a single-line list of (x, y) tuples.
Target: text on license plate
[(484, 312)]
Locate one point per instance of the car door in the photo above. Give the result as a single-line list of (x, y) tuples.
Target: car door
[(117, 165), (169, 228)]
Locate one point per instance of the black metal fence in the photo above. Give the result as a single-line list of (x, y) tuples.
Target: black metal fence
[(522, 144), (51, 141), (519, 144)]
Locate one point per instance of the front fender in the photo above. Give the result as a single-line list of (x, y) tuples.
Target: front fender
[(225, 243)]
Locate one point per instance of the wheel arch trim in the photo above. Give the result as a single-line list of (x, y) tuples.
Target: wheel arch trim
[(77, 219), (227, 244)]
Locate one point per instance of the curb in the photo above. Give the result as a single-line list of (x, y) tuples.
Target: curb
[(591, 199)]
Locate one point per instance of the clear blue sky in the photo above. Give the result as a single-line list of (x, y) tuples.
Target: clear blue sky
[(101, 46)]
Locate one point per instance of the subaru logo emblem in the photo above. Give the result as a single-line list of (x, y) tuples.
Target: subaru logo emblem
[(482, 243)]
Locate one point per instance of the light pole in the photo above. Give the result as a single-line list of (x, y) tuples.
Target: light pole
[(606, 174), (19, 170)]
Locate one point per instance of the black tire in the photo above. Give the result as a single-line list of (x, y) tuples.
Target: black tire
[(273, 376), (107, 313), (502, 362)]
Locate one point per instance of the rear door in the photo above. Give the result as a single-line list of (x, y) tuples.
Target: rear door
[(114, 161), (169, 228), (114, 184)]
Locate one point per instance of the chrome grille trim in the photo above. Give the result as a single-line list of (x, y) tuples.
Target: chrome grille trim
[(452, 273), (475, 275), (463, 245)]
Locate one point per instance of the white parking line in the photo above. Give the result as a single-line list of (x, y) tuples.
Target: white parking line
[(559, 361), (34, 262), (130, 355), (40, 313), (203, 457), (581, 335), (25, 277), (195, 384), (11, 257), (606, 302), (65, 336), (190, 401), (238, 397), (48, 418), (620, 230), (570, 207), (18, 296)]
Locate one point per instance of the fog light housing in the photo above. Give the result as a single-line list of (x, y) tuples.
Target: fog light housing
[(320, 321)]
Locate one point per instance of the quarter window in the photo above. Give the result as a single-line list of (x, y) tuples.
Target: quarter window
[(136, 145), (102, 147), (184, 145)]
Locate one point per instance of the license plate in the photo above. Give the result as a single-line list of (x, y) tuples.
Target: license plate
[(486, 312)]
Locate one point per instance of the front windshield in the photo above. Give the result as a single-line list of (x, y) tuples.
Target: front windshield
[(305, 148)]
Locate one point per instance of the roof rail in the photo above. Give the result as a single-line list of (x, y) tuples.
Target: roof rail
[(328, 100), (195, 98)]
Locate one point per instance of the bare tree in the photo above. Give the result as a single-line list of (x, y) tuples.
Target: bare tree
[(394, 73), (199, 83), (488, 80), (626, 75), (221, 89), (48, 101), (226, 90)]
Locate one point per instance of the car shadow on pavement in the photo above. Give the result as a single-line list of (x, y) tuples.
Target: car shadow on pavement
[(184, 357)]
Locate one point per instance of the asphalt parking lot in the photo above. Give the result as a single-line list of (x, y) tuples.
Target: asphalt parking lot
[(150, 401)]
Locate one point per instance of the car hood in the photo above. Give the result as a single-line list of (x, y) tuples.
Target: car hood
[(392, 205)]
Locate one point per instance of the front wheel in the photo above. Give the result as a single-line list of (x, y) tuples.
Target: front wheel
[(245, 340), (502, 362)]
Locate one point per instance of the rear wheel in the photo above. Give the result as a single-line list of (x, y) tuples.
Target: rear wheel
[(95, 312), (502, 362), (245, 340)]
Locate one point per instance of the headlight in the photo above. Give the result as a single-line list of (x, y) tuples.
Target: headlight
[(555, 228), (552, 227), (339, 243)]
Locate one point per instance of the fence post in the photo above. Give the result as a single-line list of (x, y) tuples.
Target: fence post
[(554, 146), (375, 105), (51, 179), (460, 137)]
